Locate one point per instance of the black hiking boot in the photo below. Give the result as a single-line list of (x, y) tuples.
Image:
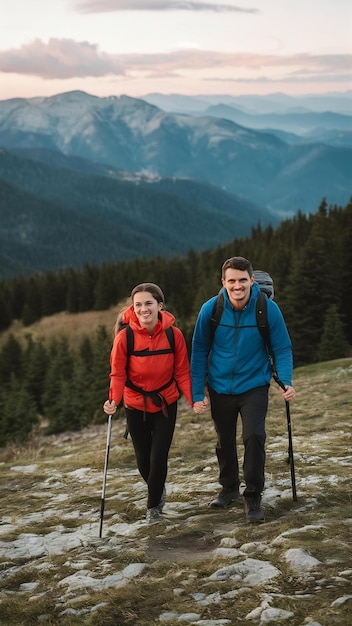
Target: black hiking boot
[(226, 496), (253, 509)]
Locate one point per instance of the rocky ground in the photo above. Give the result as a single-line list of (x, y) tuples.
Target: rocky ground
[(197, 566)]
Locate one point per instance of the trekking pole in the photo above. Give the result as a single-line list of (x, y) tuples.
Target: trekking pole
[(290, 446), (108, 439)]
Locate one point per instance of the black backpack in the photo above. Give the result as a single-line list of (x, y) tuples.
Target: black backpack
[(266, 285)]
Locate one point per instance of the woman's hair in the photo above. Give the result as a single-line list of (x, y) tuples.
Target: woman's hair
[(118, 324), (237, 263), (151, 288)]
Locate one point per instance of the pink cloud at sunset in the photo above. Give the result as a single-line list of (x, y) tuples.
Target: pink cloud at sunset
[(140, 46)]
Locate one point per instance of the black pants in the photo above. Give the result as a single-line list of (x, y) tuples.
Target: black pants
[(252, 407), (152, 435)]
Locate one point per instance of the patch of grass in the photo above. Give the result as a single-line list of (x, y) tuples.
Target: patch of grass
[(19, 577), (178, 553)]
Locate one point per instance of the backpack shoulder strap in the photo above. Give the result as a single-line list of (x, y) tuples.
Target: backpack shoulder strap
[(130, 339), (216, 314), (262, 319), (263, 327), (171, 337)]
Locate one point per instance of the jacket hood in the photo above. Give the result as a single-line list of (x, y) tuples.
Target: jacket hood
[(166, 319)]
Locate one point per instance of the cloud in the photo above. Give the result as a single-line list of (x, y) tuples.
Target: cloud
[(59, 58), (65, 58), (112, 6)]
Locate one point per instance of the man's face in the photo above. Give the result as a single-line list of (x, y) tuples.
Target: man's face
[(238, 286)]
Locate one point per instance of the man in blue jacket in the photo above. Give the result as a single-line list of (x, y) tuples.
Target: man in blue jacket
[(238, 372)]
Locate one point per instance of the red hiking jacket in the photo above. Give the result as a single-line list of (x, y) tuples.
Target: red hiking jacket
[(149, 372)]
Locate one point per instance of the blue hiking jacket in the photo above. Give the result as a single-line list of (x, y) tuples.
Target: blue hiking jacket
[(237, 360)]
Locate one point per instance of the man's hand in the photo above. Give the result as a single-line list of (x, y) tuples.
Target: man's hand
[(201, 406), (289, 393)]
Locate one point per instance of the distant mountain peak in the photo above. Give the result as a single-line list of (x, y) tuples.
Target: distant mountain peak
[(270, 168)]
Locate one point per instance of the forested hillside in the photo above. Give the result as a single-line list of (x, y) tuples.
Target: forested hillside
[(43, 382), (67, 214)]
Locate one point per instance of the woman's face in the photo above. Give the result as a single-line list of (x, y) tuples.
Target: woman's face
[(146, 308)]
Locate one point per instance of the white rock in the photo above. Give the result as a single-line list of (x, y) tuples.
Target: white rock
[(28, 586), (300, 560), (226, 553), (228, 542), (212, 598), (341, 600), (84, 580), (25, 469), (274, 615), (184, 617), (167, 617), (249, 572)]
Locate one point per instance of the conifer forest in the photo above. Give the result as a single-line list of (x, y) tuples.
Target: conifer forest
[(309, 258)]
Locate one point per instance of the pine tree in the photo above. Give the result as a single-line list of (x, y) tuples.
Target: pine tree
[(342, 238), (100, 371), (32, 309), (72, 297), (67, 416), (53, 292), (56, 387), (5, 312), (16, 292), (103, 290), (87, 280), (333, 343), (35, 363), (308, 291), (84, 378), (81, 408), (18, 414), (10, 359)]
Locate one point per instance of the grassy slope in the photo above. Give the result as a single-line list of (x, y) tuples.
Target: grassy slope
[(73, 326), (52, 487)]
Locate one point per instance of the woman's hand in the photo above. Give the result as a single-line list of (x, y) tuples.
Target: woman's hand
[(110, 407), (201, 406)]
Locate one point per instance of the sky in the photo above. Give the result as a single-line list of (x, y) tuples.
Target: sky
[(191, 47)]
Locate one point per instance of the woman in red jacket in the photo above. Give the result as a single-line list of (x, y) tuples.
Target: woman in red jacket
[(149, 370)]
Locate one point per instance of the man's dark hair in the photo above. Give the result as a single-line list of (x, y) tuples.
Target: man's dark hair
[(237, 263)]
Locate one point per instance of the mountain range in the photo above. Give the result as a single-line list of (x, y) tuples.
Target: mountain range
[(305, 119), (59, 211), (121, 178), (279, 103)]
